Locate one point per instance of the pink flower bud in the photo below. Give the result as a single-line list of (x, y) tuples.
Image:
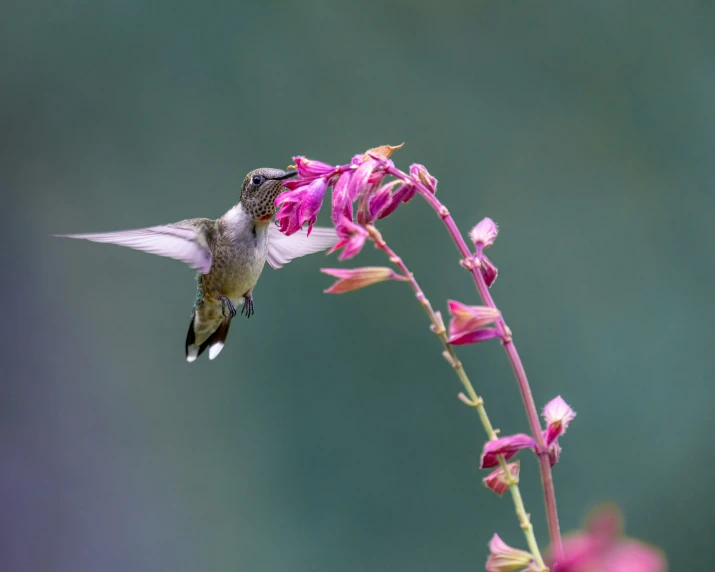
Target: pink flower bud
[(420, 173), (558, 415), (484, 233), (497, 480), (488, 270), (504, 558), (506, 446), (467, 323), (355, 278)]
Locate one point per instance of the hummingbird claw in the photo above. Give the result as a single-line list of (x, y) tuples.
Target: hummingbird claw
[(248, 306), (225, 302)]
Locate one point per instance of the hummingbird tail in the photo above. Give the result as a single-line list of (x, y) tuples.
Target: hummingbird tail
[(214, 342)]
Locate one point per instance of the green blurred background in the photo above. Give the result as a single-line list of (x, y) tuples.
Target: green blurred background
[(328, 435)]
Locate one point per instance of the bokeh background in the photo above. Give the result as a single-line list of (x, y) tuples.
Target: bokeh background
[(328, 435)]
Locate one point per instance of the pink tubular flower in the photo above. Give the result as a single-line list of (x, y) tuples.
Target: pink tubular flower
[(309, 169), (342, 205), (484, 233), (300, 205), (506, 446), (352, 238), (602, 546), (558, 415), (355, 278), (504, 558), (402, 195), (497, 479), (467, 323)]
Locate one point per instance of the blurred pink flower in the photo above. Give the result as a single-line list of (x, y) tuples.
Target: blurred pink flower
[(558, 415), (602, 547), (504, 558), (355, 278), (497, 479), (467, 323), (506, 446)]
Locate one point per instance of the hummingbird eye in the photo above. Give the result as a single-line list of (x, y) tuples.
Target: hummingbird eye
[(257, 179)]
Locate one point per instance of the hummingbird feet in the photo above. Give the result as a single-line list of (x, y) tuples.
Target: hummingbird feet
[(248, 306), (226, 303)]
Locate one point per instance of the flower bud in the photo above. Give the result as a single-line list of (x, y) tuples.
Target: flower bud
[(355, 278), (504, 558)]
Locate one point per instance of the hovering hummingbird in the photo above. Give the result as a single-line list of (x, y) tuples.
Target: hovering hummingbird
[(229, 254)]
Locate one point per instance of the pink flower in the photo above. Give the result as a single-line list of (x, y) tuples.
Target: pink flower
[(309, 169), (484, 233), (355, 278), (300, 205), (352, 238), (497, 479), (602, 546), (342, 204), (381, 200), (361, 178), (402, 195), (506, 446), (504, 558), (558, 415), (467, 323)]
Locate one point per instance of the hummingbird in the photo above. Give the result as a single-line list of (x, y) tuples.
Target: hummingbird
[(229, 254)]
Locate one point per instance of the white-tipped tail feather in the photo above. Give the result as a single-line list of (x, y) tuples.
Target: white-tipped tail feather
[(215, 349)]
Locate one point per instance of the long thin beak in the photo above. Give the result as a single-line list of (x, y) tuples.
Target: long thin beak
[(287, 175)]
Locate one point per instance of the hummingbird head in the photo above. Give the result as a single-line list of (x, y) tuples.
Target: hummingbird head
[(260, 189)]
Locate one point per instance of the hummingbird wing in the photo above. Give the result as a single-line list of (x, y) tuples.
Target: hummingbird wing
[(282, 249), (187, 241)]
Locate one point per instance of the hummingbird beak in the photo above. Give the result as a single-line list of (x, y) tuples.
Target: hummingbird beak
[(287, 175)]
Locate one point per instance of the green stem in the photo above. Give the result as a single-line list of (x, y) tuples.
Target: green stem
[(474, 400)]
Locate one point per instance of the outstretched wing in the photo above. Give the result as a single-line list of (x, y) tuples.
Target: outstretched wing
[(187, 240), (282, 249)]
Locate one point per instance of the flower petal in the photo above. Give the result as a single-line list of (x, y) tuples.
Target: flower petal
[(475, 337), (506, 446), (342, 205), (352, 238)]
